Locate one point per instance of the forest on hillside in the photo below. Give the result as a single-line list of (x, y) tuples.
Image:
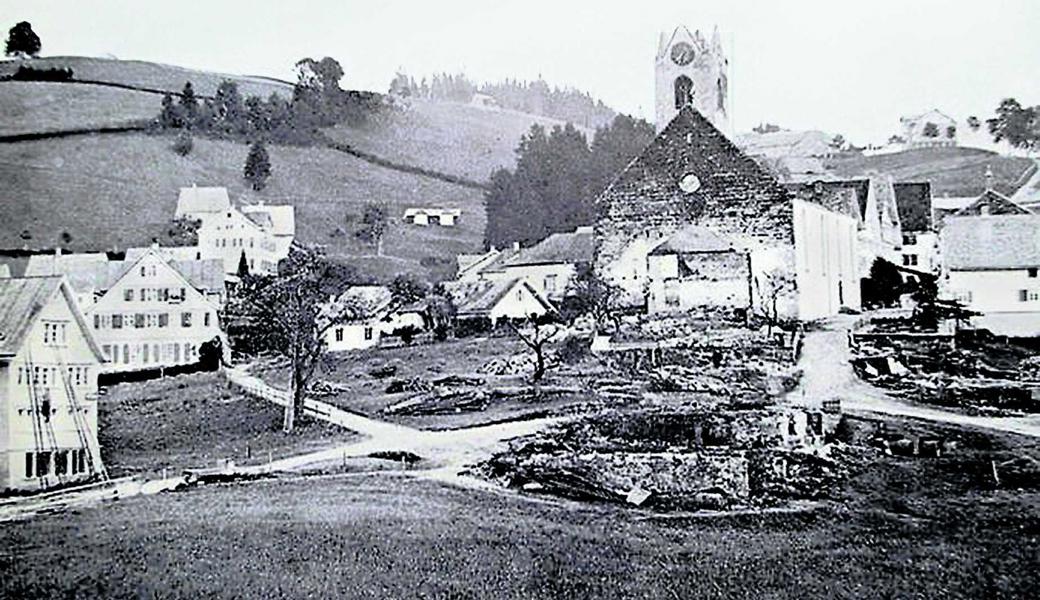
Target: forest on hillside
[(534, 97)]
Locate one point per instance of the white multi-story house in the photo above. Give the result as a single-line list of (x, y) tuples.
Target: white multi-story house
[(146, 311), (920, 249), (991, 263), (261, 233), (932, 129), (49, 363)]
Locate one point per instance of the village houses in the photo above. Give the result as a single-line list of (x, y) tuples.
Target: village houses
[(146, 311), (49, 364), (261, 233)]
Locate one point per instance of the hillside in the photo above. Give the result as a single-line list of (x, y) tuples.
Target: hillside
[(952, 171), (118, 190), (30, 107), (458, 139), (150, 75)]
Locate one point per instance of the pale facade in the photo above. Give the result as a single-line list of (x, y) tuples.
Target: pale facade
[(152, 317), (49, 363), (826, 274), (931, 129), (262, 233), (991, 264)]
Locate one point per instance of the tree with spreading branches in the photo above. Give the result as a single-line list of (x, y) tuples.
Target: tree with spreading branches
[(536, 332), (22, 41), (294, 311)]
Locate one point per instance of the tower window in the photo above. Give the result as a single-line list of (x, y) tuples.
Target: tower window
[(683, 91)]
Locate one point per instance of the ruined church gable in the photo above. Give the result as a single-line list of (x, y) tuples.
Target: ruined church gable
[(691, 173)]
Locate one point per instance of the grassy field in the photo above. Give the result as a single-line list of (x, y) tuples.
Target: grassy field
[(130, 183), (952, 171), (366, 394), (458, 139), (151, 75), (196, 421), (905, 528), (32, 107)]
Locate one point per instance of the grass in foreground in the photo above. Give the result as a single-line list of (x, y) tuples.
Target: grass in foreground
[(196, 421), (391, 537)]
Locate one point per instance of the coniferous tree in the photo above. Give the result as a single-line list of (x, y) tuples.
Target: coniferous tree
[(258, 166), (189, 104), (22, 41)]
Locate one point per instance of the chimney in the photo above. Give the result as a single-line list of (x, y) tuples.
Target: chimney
[(989, 178), (155, 243), (516, 246)]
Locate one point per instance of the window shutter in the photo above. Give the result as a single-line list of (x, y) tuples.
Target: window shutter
[(1023, 295)]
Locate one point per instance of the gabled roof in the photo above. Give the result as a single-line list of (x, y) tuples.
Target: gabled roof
[(573, 247), (206, 274), (85, 272), (491, 262), (694, 239), (992, 202), (482, 296), (861, 187), (195, 200), (991, 242), (914, 202), (281, 217), (371, 300), (22, 299), (935, 112), (841, 199), (729, 183)]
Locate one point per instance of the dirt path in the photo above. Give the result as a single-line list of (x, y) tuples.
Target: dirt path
[(828, 374), (450, 450)]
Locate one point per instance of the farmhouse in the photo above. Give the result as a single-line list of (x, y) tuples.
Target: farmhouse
[(801, 257), (261, 233), (492, 301), (445, 217), (49, 363), (991, 263), (486, 265), (932, 129), (366, 329), (550, 264), (146, 311)]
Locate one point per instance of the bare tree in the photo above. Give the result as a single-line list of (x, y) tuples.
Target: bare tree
[(295, 311), (536, 332), (769, 287), (596, 297)]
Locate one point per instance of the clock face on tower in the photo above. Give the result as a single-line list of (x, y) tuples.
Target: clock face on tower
[(682, 54)]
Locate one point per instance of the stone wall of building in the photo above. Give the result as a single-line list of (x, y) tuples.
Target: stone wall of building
[(691, 173)]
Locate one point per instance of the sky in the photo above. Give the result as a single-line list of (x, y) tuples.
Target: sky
[(850, 67)]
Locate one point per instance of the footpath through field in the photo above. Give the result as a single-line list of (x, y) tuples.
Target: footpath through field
[(451, 450), (827, 374)]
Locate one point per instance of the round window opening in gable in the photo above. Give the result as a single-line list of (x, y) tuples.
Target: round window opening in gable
[(689, 183)]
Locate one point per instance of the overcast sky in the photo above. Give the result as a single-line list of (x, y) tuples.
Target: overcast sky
[(849, 67)]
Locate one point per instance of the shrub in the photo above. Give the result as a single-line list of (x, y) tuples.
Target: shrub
[(183, 144), (25, 73)]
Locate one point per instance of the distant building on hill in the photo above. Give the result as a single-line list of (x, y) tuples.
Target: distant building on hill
[(49, 363), (445, 217), (146, 311), (262, 233), (932, 129)]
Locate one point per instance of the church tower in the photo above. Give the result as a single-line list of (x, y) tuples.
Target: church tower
[(692, 70)]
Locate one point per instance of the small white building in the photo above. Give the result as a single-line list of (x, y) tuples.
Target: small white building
[(497, 300), (826, 257), (366, 330), (697, 267), (49, 363), (920, 249), (423, 217), (991, 263), (146, 311)]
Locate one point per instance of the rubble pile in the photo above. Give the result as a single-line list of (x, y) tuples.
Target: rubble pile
[(962, 377), (719, 458), (517, 364)]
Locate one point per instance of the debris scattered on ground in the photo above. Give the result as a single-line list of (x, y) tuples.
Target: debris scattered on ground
[(397, 456), (384, 372), (321, 388), (415, 384), (517, 364), (441, 402)]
